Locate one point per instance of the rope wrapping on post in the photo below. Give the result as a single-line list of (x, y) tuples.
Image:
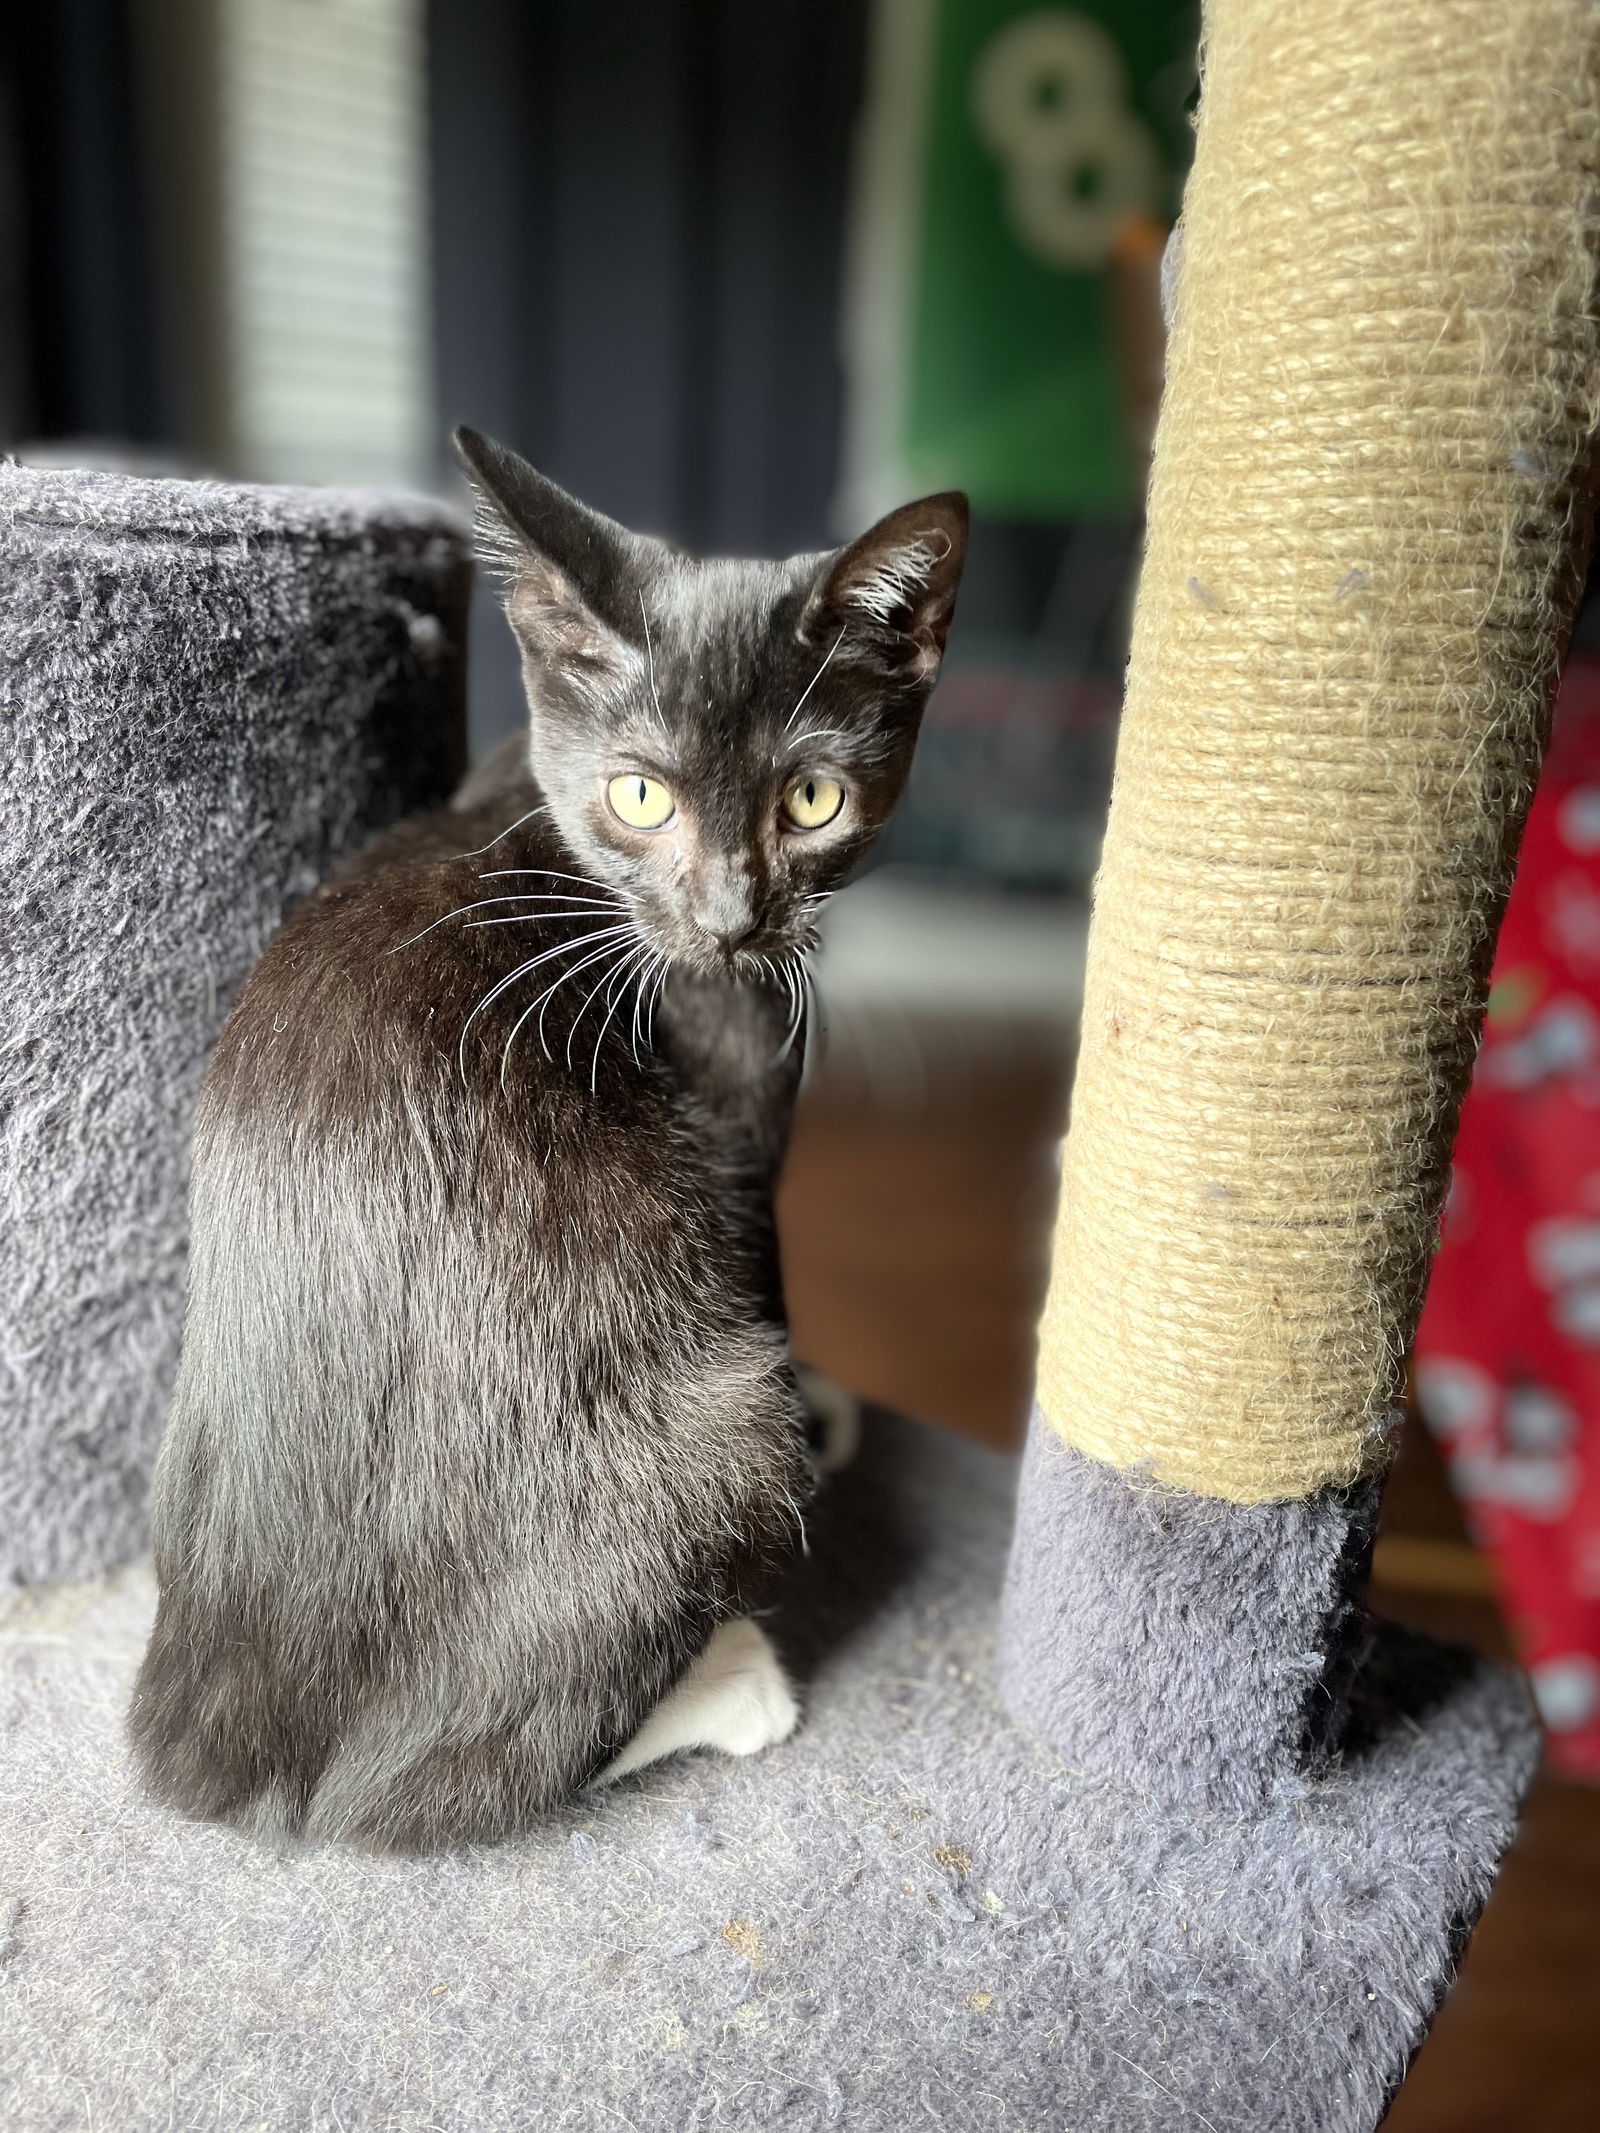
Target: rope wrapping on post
[(1368, 513)]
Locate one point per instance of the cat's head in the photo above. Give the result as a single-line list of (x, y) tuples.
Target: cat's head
[(720, 741)]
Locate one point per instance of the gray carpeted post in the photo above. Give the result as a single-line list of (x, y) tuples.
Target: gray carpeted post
[(1199, 1651), (208, 694)]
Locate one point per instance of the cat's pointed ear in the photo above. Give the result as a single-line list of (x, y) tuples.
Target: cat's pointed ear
[(570, 574), (888, 599)]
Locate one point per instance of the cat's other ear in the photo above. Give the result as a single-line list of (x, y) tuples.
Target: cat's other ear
[(569, 573), (889, 597)]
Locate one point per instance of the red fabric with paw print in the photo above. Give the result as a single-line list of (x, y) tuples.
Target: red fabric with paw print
[(1508, 1358)]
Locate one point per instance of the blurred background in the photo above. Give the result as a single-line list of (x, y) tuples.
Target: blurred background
[(745, 276)]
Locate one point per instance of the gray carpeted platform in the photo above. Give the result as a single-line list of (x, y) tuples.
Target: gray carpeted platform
[(910, 1915), (208, 694)]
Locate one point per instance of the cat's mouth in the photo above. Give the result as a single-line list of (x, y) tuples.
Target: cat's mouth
[(760, 955), (767, 966), (765, 958)]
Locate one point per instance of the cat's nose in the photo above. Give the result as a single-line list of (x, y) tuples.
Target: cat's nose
[(725, 912), (731, 934)]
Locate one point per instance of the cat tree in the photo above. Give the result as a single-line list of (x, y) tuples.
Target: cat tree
[(210, 695), (1209, 1854)]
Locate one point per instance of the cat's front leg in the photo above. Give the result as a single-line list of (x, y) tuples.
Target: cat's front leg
[(735, 1698)]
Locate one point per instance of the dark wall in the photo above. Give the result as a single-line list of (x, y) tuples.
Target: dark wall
[(86, 353), (640, 212)]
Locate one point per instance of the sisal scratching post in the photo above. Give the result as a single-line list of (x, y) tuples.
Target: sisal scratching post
[(1361, 570), (1367, 527)]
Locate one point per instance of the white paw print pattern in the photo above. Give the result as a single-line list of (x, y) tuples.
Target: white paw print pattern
[(1534, 1471), (1566, 1687), (1050, 99), (1579, 819), (1564, 1259), (1563, 1041)]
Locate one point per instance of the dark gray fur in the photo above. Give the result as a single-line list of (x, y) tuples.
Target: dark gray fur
[(484, 1418), (209, 695)]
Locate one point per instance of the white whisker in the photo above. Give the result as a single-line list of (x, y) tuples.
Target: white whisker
[(561, 948), (603, 888), (811, 684), (816, 733), (630, 970), (557, 897), (573, 905), (609, 949), (648, 974), (461, 912), (543, 1002), (621, 956), (794, 979), (650, 655), (655, 1002), (479, 849)]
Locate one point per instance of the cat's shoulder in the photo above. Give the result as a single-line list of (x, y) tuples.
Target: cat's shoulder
[(423, 867), (386, 938)]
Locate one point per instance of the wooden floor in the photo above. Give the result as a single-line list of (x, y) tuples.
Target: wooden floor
[(915, 1228)]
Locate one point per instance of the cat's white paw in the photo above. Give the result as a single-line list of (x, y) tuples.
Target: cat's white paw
[(735, 1698), (742, 1701), (837, 1414)]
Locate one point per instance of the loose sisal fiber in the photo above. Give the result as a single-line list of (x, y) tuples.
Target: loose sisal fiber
[(1368, 514)]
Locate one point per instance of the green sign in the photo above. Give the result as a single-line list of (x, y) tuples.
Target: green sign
[(1017, 144)]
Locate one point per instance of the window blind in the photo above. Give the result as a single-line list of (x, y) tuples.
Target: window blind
[(324, 219)]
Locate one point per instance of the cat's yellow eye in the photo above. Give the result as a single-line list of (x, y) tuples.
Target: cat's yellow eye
[(643, 803), (811, 802)]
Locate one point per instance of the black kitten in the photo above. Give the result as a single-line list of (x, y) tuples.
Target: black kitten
[(485, 1435)]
